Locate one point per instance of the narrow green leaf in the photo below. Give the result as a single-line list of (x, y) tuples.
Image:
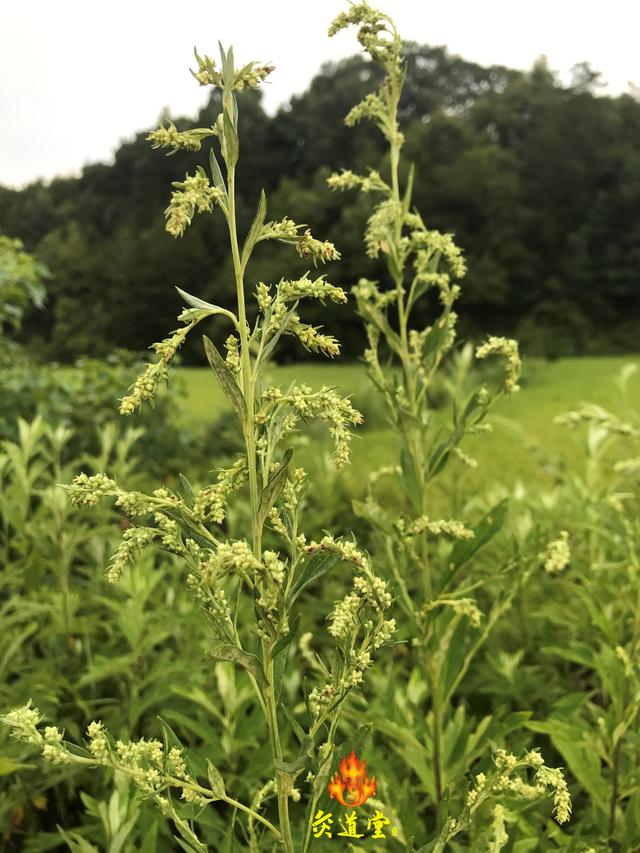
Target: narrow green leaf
[(295, 725), (255, 229), (216, 172), (187, 491), (223, 56), (409, 478), (436, 338), (232, 144), (171, 740), (484, 531), (215, 781), (280, 654), (274, 487), (226, 379), (150, 843), (406, 201), (228, 71), (76, 843), (186, 846), (314, 567), (269, 347), (440, 456), (234, 104), (196, 302), (227, 651)]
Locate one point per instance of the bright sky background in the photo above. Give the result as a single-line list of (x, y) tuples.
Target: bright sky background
[(79, 76)]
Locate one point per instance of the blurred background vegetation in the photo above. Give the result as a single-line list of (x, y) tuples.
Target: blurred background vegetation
[(540, 183)]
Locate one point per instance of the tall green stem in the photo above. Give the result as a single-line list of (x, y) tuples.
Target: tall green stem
[(413, 438), (247, 379), (412, 432), (437, 738), (614, 791), (248, 389), (329, 747)]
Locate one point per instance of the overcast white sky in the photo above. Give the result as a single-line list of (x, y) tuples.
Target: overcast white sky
[(78, 76)]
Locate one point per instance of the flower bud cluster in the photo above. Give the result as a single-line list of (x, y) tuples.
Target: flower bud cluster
[(284, 229), (347, 550), (369, 592), (186, 140), (146, 763), (232, 358), (263, 297), (134, 539), (252, 76), (462, 606), (427, 243), (193, 194), (277, 524), (211, 502), (364, 610), (557, 555), (345, 615), (287, 231), (249, 76), (348, 180), (589, 413), (214, 599), (207, 73), (366, 290), (507, 348), (305, 288), (371, 107), (545, 778), (379, 226), (552, 777), (23, 723), (316, 250), (86, 490), (52, 750), (499, 835), (373, 591), (294, 489), (467, 460), (99, 745), (232, 557), (135, 504), (312, 338), (337, 412), (321, 699), (273, 574), (145, 385), (376, 34), (169, 533), (441, 527)]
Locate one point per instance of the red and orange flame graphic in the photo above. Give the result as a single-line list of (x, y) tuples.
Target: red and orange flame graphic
[(351, 786)]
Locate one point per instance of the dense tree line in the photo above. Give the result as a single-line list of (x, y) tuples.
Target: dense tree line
[(539, 182)]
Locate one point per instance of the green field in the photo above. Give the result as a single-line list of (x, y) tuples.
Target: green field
[(524, 436)]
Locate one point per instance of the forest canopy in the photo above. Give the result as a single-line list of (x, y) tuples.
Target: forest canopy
[(540, 182)]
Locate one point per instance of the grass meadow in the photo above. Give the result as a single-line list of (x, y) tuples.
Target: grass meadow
[(525, 444)]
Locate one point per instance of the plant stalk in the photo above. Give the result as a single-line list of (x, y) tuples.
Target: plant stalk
[(248, 389)]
